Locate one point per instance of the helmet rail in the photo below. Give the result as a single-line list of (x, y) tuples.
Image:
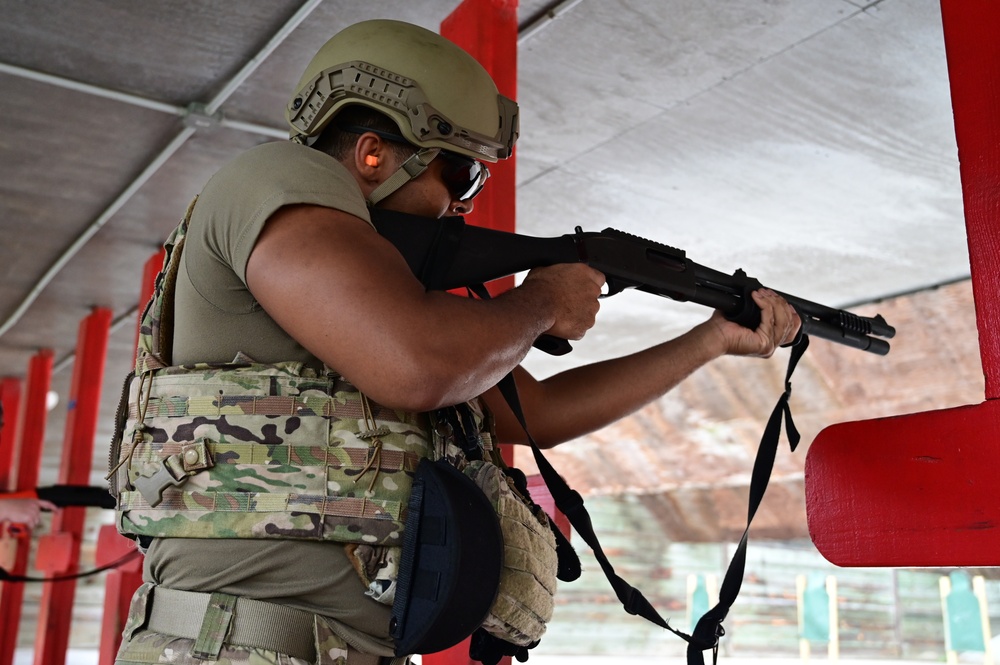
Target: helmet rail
[(358, 82)]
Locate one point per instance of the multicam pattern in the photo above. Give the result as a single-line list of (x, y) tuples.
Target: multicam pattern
[(145, 647), (246, 450), (525, 601), (264, 451), (378, 567)]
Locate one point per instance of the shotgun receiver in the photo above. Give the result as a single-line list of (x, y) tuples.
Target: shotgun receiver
[(447, 253)]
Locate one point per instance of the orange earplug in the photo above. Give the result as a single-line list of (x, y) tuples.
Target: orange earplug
[(371, 160)]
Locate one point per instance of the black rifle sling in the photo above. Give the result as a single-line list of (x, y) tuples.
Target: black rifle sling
[(6, 576), (709, 628), (569, 563)]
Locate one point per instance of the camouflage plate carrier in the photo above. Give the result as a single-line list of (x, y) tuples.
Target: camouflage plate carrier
[(248, 450)]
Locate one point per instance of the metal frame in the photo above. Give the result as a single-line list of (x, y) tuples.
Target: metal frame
[(30, 438), (55, 609)]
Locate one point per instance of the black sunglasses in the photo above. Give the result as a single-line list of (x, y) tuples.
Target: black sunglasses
[(463, 176)]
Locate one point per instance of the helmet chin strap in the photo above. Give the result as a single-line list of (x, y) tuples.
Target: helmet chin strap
[(416, 164)]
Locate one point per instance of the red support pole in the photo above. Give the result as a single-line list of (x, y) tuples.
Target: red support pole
[(971, 39), (10, 608), (55, 611), (30, 438), (10, 399), (921, 490), (121, 583), (487, 29)]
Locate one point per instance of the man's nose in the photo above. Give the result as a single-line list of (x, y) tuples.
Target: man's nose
[(462, 207)]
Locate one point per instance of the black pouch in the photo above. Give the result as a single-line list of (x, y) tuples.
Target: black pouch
[(449, 573)]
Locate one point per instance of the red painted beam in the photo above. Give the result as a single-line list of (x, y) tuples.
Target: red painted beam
[(971, 38), (55, 611), (120, 584), (10, 606), (10, 398), (917, 490), (487, 29), (30, 438), (920, 490)]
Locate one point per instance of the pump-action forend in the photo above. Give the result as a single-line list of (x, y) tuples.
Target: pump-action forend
[(447, 254)]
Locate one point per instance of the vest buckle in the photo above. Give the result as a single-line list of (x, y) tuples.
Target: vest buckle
[(151, 487)]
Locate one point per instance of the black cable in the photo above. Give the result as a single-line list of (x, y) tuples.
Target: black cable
[(8, 577)]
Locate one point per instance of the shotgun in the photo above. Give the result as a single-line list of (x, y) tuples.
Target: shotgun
[(447, 254)]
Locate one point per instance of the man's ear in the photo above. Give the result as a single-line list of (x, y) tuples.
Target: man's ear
[(369, 156)]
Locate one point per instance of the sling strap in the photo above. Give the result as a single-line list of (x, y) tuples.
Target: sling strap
[(438, 253), (6, 576), (709, 628)]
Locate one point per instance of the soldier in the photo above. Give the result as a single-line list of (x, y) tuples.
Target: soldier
[(23, 511), (293, 373)]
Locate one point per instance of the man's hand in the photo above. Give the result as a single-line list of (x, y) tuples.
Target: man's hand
[(582, 399), (23, 511), (779, 324), (573, 290)]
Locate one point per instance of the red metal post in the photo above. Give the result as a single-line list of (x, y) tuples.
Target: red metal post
[(121, 583), (30, 438), (55, 610), (920, 490), (970, 32), (10, 399), (487, 29)]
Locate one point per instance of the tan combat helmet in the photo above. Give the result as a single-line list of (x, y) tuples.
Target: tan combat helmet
[(437, 94)]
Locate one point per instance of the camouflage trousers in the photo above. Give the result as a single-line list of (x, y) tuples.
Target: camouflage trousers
[(141, 646), (147, 647)]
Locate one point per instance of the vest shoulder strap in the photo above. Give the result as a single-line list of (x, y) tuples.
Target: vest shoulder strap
[(155, 346)]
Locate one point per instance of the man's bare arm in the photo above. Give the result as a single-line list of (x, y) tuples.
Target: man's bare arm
[(584, 399), (347, 296)]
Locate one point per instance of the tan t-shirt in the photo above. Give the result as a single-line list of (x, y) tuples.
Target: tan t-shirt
[(216, 317)]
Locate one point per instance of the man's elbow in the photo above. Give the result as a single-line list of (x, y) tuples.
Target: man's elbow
[(419, 389)]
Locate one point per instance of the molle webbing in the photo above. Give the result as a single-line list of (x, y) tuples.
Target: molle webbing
[(265, 451)]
